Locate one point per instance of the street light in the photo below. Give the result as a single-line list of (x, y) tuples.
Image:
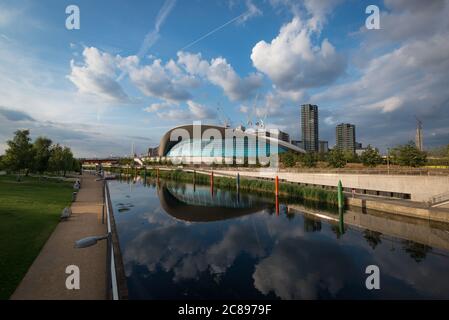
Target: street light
[(90, 241), (388, 160)]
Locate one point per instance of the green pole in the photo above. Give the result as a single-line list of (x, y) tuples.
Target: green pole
[(341, 221), (340, 195)]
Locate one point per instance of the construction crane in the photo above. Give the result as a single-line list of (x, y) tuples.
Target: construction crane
[(419, 135), (249, 121), (223, 117)]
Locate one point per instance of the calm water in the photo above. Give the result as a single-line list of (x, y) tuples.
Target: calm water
[(179, 242)]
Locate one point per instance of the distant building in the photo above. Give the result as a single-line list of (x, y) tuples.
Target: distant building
[(323, 147), (274, 133), (419, 136), (359, 149), (283, 136), (309, 127), (153, 152), (345, 137), (298, 143)]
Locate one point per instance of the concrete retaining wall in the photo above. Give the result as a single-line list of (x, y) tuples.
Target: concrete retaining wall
[(420, 188), (430, 214)]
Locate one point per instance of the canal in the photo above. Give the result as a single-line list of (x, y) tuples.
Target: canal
[(180, 241)]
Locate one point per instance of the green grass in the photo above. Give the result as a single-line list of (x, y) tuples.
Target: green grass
[(29, 212)]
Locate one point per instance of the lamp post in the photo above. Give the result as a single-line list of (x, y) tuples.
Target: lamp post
[(91, 241), (388, 160)]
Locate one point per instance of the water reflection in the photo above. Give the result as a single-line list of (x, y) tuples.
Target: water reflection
[(199, 204), (181, 243)]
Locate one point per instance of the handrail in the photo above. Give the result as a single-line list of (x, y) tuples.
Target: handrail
[(442, 197), (112, 276)]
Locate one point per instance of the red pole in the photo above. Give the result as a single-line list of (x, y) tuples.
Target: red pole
[(212, 183), (276, 188), (276, 191), (277, 205)]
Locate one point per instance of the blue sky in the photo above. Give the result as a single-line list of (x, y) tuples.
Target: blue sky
[(91, 90)]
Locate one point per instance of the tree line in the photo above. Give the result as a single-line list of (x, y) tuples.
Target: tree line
[(41, 155), (404, 155)]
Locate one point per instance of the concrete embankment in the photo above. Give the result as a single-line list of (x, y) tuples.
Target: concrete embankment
[(418, 187), (46, 278), (433, 234), (403, 208)]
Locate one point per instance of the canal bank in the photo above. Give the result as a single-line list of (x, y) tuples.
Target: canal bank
[(428, 233)]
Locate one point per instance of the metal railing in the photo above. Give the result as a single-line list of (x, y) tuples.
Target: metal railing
[(373, 171), (112, 289), (443, 197)]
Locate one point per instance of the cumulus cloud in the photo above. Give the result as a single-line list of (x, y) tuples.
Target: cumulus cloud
[(220, 73), (194, 111), (199, 111), (292, 61), (393, 87), (96, 76), (160, 81), (157, 107)]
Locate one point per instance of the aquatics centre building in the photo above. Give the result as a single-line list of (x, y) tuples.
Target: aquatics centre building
[(203, 143)]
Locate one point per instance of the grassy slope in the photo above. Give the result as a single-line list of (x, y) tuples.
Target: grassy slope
[(29, 212)]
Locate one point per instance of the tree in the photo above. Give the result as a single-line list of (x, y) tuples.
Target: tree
[(336, 158), (351, 157), (309, 160), (288, 159), (371, 157), (42, 154), (61, 159), (19, 155), (409, 155)]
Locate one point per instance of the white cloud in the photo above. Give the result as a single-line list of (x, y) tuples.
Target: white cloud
[(157, 107), (97, 75), (220, 73), (294, 63), (199, 111), (252, 11), (402, 82), (194, 111), (151, 37), (388, 105), (318, 11), (160, 81)]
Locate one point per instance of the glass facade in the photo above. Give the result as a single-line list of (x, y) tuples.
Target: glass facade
[(226, 148)]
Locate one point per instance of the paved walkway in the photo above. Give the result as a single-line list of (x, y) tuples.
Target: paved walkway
[(45, 280)]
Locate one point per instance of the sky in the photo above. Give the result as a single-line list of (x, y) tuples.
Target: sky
[(135, 69)]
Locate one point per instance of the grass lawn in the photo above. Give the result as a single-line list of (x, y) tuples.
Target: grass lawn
[(29, 212)]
